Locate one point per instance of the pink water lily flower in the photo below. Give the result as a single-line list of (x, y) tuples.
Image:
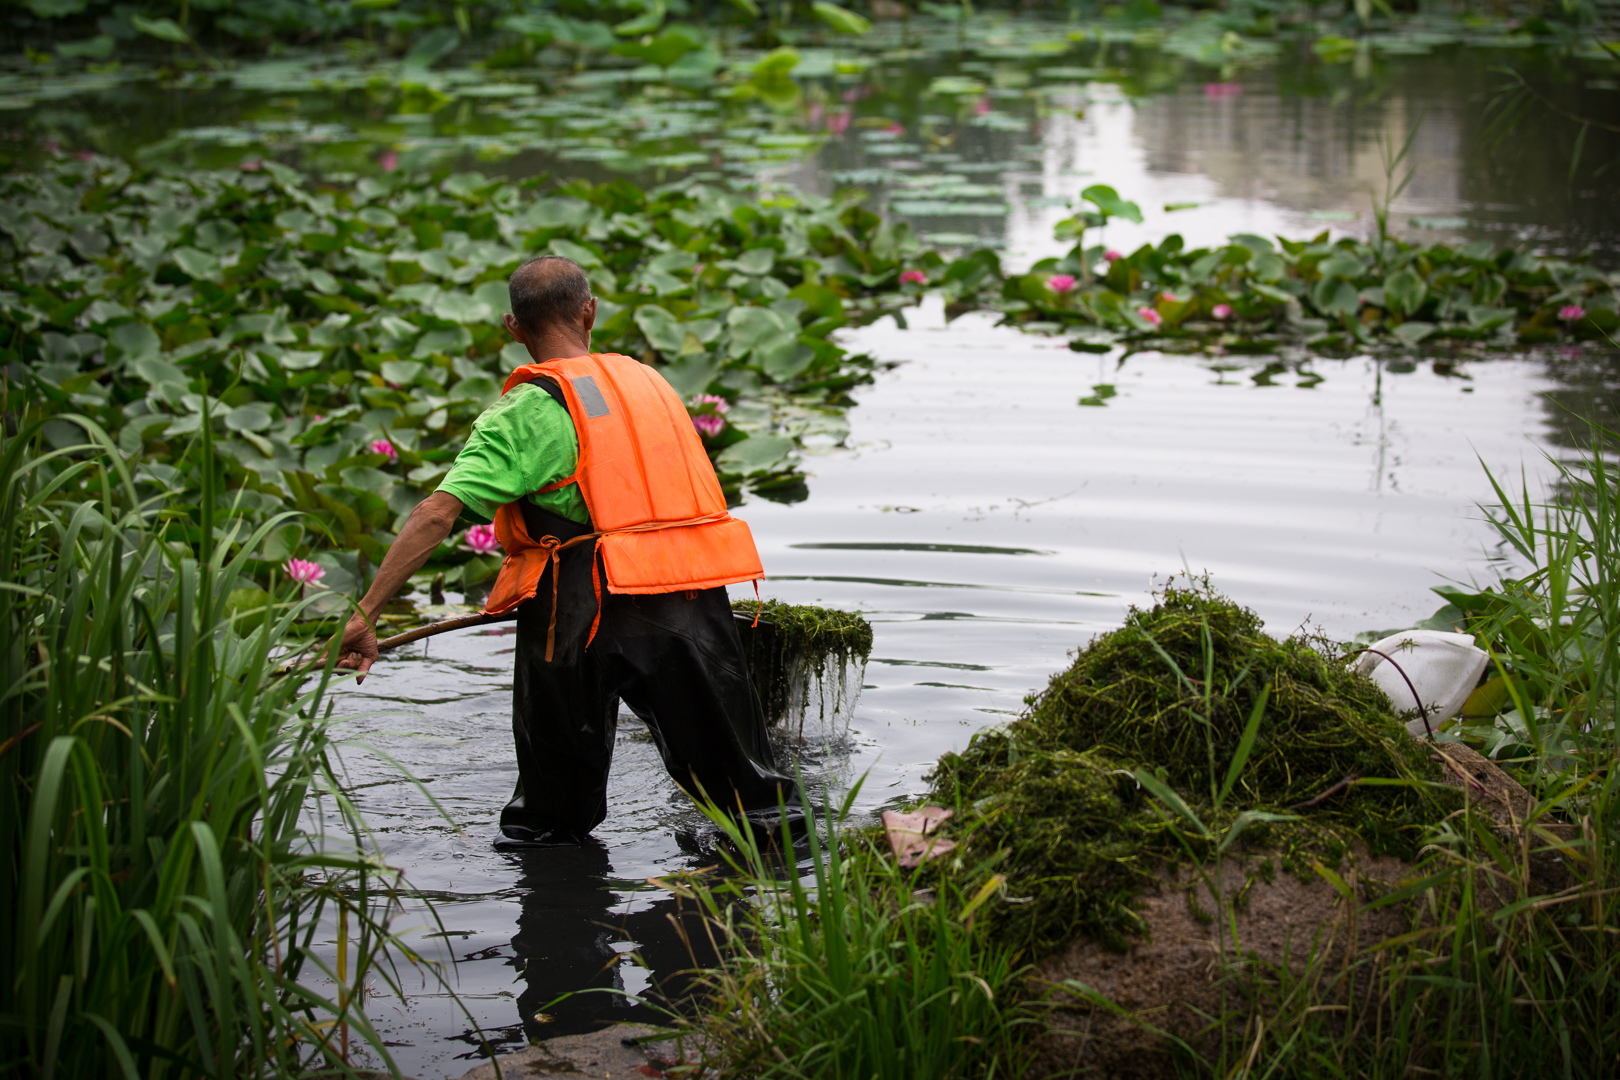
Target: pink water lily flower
[(838, 122), (982, 106), (1150, 315), (708, 418), (1222, 90), (1221, 311), (388, 160), (1061, 283), (1111, 255), (1572, 313), (913, 277), (480, 540), (385, 448), (303, 571)]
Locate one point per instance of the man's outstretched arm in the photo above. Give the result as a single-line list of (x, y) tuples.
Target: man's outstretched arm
[(424, 531)]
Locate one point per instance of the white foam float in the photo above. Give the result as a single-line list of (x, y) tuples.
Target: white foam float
[(1442, 668)]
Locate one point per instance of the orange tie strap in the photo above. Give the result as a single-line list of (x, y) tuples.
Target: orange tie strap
[(571, 478), (760, 605)]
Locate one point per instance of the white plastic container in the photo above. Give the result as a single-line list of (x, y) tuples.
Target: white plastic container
[(1443, 668)]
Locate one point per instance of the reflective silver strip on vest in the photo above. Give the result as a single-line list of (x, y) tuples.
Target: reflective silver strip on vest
[(590, 396)]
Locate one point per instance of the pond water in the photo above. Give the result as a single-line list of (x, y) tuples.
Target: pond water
[(985, 520)]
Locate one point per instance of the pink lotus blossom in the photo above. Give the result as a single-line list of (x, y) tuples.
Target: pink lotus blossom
[(251, 165), (1061, 283), (1221, 311), (303, 571), (895, 128), (714, 401), (1111, 255), (1150, 315), (1572, 313), (385, 448), (817, 109), (709, 418), (388, 160), (1222, 89), (480, 540), (84, 155), (838, 122), (854, 94), (981, 106), (318, 418), (913, 277)]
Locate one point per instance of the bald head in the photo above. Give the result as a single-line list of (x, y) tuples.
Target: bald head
[(548, 292)]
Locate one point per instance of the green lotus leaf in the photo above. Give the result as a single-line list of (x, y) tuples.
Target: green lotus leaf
[(403, 372), (461, 308), (756, 454), (1107, 200), (841, 20), (660, 328), (162, 29), (133, 341), (254, 416)]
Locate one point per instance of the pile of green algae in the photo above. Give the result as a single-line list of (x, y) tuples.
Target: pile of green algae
[(1051, 800)]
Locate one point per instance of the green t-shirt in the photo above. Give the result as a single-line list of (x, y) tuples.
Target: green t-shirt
[(518, 445)]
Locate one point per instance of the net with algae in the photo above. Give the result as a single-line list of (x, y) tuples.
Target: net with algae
[(1052, 802), (807, 664)]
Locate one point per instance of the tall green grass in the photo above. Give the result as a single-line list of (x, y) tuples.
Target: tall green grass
[(170, 890), (836, 969)]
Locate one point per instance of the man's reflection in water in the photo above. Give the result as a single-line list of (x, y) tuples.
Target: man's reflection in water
[(574, 935)]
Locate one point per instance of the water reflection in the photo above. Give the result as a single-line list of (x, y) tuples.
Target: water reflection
[(583, 938)]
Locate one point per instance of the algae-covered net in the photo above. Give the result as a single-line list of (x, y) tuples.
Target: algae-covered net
[(1052, 802), (806, 664)]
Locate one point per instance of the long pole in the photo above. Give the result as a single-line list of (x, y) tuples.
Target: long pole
[(461, 622), (458, 623)]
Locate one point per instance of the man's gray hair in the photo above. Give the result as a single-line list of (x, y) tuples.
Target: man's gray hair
[(548, 291)]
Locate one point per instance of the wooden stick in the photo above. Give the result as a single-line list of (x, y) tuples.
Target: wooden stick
[(460, 622)]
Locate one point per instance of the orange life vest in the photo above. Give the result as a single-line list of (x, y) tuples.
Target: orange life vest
[(660, 518)]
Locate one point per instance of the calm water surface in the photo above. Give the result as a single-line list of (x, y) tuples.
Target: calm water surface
[(986, 524)]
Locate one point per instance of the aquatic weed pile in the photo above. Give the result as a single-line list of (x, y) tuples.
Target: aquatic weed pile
[(1050, 800)]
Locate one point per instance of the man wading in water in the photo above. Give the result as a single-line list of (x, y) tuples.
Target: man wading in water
[(618, 550)]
